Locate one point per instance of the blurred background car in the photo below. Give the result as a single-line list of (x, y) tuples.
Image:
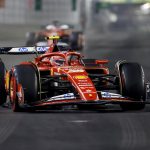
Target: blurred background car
[(67, 35)]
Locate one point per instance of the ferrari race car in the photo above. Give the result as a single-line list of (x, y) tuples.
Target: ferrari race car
[(75, 39), (64, 78)]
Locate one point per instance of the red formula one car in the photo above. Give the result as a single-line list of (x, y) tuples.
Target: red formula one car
[(61, 78), (68, 35)]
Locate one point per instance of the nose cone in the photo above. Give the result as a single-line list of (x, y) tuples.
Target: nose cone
[(81, 82), (84, 86), (91, 96)]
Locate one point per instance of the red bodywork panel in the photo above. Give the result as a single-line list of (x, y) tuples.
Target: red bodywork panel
[(76, 72)]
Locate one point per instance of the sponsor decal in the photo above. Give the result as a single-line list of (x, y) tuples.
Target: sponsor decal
[(88, 91), (23, 49), (106, 94), (62, 97), (68, 95), (80, 77), (84, 83), (110, 95), (83, 88), (90, 95), (83, 80), (75, 70), (42, 49)]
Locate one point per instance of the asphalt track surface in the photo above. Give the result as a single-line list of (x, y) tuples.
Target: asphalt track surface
[(110, 129)]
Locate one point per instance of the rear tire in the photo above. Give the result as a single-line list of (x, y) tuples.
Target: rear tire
[(26, 76), (3, 94), (132, 85)]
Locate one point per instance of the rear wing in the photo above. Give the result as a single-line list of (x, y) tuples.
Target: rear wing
[(23, 50)]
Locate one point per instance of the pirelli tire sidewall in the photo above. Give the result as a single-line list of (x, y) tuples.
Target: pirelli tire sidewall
[(132, 82), (27, 76), (3, 94)]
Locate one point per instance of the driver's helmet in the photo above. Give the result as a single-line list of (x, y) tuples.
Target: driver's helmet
[(64, 27), (57, 61), (66, 30), (50, 27)]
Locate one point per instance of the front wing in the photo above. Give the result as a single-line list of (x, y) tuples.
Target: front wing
[(70, 99), (45, 103)]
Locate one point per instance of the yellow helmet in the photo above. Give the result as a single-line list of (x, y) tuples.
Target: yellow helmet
[(53, 37)]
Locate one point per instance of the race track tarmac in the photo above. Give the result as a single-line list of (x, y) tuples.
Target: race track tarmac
[(110, 129)]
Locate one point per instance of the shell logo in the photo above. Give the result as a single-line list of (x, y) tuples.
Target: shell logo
[(81, 77)]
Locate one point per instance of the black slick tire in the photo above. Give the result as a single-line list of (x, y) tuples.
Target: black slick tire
[(132, 85)]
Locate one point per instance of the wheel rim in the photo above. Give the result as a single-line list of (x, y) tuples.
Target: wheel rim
[(13, 92), (20, 94)]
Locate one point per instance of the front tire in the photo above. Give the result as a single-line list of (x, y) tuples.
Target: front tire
[(132, 85), (26, 77)]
